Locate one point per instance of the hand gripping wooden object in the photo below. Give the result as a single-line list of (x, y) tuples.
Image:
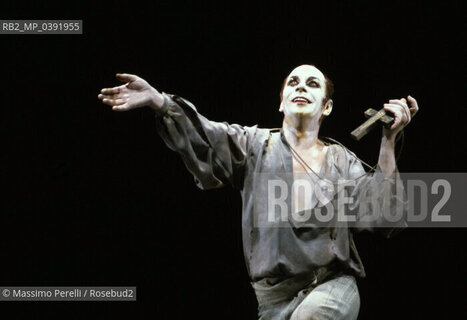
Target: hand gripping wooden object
[(374, 117)]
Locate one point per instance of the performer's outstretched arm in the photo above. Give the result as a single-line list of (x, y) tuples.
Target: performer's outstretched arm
[(214, 152)]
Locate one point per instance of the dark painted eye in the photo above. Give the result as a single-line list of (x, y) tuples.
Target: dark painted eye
[(292, 82), (313, 84)]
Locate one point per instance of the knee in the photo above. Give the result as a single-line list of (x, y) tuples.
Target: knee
[(305, 313), (305, 317)]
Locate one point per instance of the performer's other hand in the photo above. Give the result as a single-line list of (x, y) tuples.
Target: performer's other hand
[(402, 115), (135, 93)]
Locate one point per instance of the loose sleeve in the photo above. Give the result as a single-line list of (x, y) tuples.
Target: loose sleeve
[(214, 152), (379, 201)]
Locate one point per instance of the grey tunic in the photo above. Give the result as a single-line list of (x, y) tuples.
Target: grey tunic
[(219, 154)]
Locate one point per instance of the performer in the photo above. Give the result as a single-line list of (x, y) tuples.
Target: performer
[(297, 271)]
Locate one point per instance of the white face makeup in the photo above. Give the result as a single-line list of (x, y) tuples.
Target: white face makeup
[(304, 92)]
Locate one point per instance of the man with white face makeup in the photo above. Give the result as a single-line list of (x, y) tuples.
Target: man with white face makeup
[(297, 271)]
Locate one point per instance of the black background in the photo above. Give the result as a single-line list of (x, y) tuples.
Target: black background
[(94, 197)]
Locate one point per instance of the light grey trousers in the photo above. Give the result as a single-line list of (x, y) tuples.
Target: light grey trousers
[(335, 299)]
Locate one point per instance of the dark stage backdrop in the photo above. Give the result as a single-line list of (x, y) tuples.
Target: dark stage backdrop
[(93, 197)]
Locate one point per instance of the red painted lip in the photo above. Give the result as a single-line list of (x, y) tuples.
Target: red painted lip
[(301, 100)]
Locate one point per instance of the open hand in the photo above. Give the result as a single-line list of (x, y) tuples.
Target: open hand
[(135, 93)]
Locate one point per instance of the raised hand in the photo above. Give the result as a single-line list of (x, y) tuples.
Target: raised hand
[(135, 93), (402, 114)]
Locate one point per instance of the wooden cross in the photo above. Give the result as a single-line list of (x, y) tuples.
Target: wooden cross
[(374, 117)]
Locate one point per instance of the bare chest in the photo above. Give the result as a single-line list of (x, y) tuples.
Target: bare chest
[(312, 159)]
